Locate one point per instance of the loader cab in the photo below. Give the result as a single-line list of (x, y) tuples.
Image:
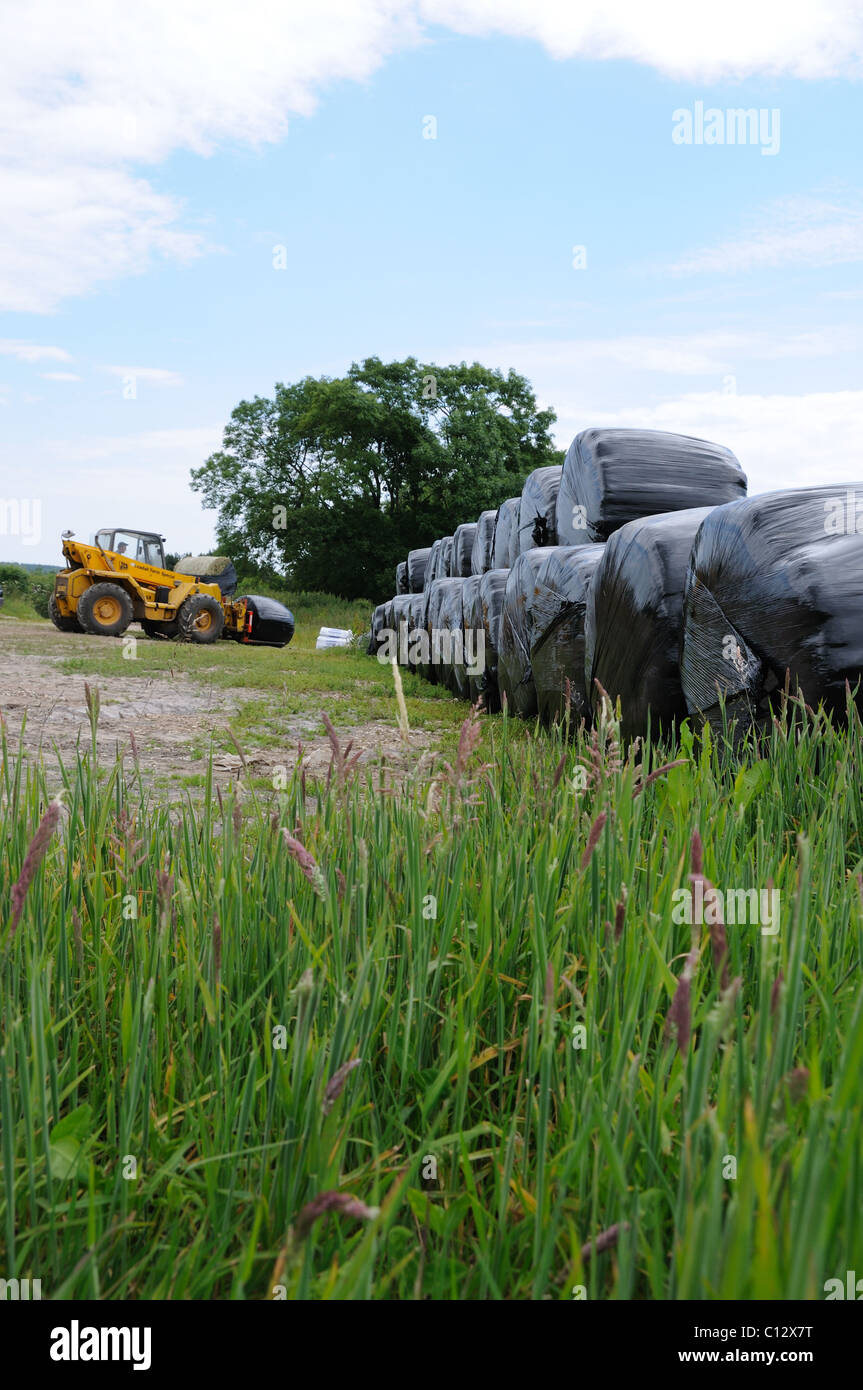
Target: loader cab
[(141, 547)]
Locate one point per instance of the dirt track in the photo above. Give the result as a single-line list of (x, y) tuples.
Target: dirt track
[(170, 717)]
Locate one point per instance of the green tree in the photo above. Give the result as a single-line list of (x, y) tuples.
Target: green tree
[(333, 480)]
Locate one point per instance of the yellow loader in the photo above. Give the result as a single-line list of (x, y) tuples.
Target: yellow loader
[(120, 577)]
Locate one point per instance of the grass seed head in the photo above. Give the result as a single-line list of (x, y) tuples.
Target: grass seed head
[(36, 852)]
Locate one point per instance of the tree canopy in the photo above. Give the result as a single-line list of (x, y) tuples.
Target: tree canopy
[(334, 480)]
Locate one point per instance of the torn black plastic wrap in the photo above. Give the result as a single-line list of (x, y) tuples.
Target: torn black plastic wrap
[(557, 611), (775, 584), (462, 549), (515, 676), (417, 561), (402, 578), (612, 476), (492, 591), (634, 620), (537, 516), (482, 555), (505, 533)]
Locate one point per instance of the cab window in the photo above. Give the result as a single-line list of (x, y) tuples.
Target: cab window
[(127, 545), (152, 553)]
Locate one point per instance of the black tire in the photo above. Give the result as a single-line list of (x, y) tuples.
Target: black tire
[(153, 629), (60, 620), (201, 619), (105, 610)]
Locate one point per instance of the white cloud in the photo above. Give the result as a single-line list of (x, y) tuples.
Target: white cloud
[(31, 352), (65, 228), (158, 376), (85, 97), (60, 376), (555, 363), (160, 449), (804, 39), (793, 231), (137, 480), (793, 437)]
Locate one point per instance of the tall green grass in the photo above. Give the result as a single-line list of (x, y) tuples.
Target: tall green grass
[(450, 936)]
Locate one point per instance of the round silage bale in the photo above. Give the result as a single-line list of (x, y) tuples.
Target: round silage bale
[(492, 592), (378, 621), (417, 561), (775, 586), (431, 566), (505, 530), (466, 663), (557, 613), (515, 676), (537, 513), (416, 625), (482, 554), (462, 548), (613, 476), (435, 668), (401, 626), (452, 645), (634, 620)]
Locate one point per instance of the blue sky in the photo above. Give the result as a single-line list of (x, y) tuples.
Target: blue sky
[(154, 162)]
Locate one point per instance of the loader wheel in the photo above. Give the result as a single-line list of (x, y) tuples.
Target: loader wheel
[(201, 619), (105, 609), (152, 629), (62, 621)]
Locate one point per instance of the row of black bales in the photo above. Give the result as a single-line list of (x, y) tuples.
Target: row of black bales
[(642, 567)]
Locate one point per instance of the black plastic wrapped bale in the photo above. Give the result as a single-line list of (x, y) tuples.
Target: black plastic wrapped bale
[(401, 627), (431, 668), (268, 623), (378, 620), (557, 612), (474, 635), (417, 562), (471, 608), (416, 624), (492, 592), (515, 676), (431, 566), (423, 665), (505, 527), (389, 621), (482, 554), (634, 620), (462, 549), (402, 578), (444, 563), (537, 515), (612, 476), (775, 584), (452, 638)]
